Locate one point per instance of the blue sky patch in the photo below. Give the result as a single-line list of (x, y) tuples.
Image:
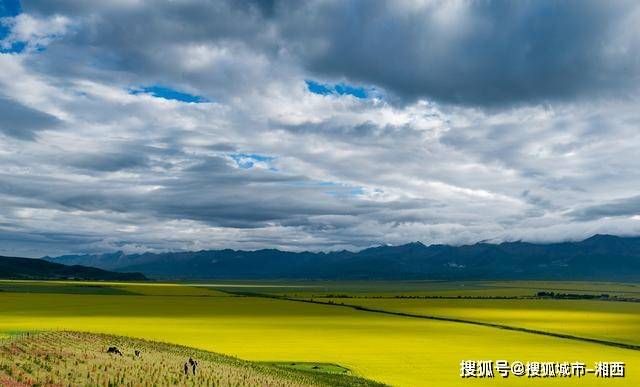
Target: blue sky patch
[(339, 88), (168, 93), (358, 92), (318, 88), (9, 8), (16, 47), (249, 160)]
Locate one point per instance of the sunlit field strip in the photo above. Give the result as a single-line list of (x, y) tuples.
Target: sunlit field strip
[(607, 320)]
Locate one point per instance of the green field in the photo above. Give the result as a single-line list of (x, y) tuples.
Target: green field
[(397, 350)]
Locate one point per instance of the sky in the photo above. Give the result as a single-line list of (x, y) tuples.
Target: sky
[(319, 125)]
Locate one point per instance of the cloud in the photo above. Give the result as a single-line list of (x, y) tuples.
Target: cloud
[(481, 121), (480, 53), (31, 32), (474, 53), (107, 162), (627, 207), (22, 122)]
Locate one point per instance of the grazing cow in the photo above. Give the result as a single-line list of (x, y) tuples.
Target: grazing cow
[(137, 353), (114, 350)]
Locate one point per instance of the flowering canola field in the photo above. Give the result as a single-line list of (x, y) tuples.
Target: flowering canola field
[(606, 320), (390, 349)]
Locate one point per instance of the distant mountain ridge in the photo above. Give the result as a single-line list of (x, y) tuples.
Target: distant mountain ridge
[(28, 268), (601, 257)]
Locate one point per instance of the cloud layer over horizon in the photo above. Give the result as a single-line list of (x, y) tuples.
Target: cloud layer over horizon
[(319, 125)]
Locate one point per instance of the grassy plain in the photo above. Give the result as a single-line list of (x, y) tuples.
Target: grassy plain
[(391, 349)]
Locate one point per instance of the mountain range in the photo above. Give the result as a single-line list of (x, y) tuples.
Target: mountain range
[(28, 268), (601, 257)]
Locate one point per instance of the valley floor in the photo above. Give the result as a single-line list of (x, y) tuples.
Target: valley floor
[(261, 322)]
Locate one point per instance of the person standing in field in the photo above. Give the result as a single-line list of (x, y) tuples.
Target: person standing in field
[(186, 368), (194, 364)]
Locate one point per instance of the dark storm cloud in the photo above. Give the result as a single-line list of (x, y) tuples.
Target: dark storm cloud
[(483, 53), (474, 52), (22, 122)]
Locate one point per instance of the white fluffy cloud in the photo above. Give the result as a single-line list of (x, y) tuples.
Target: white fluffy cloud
[(35, 32)]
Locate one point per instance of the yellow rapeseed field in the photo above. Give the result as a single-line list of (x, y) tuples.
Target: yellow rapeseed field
[(612, 321), (395, 350)]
